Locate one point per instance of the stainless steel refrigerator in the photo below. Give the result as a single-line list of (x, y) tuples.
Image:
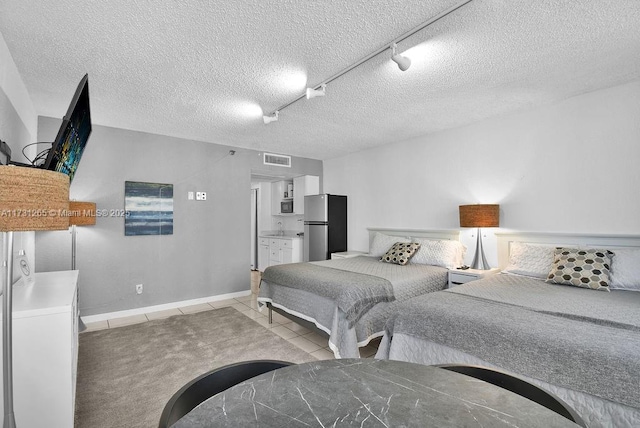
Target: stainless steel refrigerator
[(325, 226)]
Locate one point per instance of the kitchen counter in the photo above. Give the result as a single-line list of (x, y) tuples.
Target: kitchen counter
[(285, 236)]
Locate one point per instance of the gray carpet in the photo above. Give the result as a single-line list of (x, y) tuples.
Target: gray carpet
[(127, 374)]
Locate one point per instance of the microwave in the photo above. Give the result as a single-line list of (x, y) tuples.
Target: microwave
[(286, 207)]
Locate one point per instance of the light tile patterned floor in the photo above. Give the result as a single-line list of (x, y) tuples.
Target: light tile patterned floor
[(300, 336)]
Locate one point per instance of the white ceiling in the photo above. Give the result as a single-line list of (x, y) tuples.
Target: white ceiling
[(202, 69)]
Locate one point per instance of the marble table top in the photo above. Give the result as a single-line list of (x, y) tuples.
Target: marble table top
[(368, 393)]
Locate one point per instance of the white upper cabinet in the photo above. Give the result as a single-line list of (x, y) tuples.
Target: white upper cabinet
[(278, 190), (302, 186)]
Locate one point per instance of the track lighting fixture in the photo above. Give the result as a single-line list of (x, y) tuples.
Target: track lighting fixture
[(312, 93), (271, 118), (403, 62)]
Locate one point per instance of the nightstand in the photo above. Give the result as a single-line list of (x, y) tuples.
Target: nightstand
[(459, 276), (347, 254)]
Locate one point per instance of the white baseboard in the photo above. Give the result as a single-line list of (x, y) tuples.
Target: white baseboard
[(163, 307)]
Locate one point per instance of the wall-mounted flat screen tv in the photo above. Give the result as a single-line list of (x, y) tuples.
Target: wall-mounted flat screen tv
[(66, 151)]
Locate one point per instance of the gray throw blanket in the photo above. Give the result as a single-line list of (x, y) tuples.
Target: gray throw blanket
[(592, 345), (617, 309), (354, 293)]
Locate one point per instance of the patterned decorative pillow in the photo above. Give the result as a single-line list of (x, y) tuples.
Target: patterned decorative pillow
[(380, 243), (400, 253), (530, 259), (439, 252), (587, 268)]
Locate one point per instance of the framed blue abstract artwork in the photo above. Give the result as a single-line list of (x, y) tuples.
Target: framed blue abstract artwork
[(148, 208)]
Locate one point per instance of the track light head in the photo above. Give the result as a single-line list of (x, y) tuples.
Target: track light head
[(312, 93), (403, 62), (272, 118)]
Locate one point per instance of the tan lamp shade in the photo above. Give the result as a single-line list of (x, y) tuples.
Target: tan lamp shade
[(33, 199), (82, 213), (480, 215)]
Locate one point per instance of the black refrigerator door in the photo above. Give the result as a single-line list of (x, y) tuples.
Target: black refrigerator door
[(337, 214)]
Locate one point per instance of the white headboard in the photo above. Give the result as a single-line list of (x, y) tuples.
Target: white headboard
[(561, 240), (418, 233)]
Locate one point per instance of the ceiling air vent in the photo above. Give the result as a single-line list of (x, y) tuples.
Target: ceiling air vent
[(277, 160)]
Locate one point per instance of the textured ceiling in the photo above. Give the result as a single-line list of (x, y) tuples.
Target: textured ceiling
[(207, 70)]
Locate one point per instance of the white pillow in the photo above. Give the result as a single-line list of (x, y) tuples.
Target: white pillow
[(445, 253), (380, 243), (625, 268), (530, 259)]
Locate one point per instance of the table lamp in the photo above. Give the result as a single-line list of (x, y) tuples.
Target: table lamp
[(31, 199), (81, 214), (480, 215)]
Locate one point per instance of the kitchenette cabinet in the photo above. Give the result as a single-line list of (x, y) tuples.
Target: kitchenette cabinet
[(263, 253), (300, 187), (277, 250), (303, 186), (278, 190)]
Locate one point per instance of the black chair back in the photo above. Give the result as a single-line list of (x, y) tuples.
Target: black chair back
[(517, 386), (209, 384)]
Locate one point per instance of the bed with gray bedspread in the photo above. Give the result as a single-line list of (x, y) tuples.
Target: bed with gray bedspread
[(350, 299), (583, 345)]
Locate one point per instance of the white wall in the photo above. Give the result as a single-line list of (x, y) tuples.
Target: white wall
[(14, 89), (209, 251), (18, 127), (568, 167)]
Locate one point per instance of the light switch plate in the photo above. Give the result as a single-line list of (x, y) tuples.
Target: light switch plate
[(201, 196)]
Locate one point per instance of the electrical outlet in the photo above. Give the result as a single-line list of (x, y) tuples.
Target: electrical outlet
[(190, 196), (201, 196), (139, 289)]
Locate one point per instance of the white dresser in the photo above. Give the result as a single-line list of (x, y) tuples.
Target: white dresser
[(45, 350)]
